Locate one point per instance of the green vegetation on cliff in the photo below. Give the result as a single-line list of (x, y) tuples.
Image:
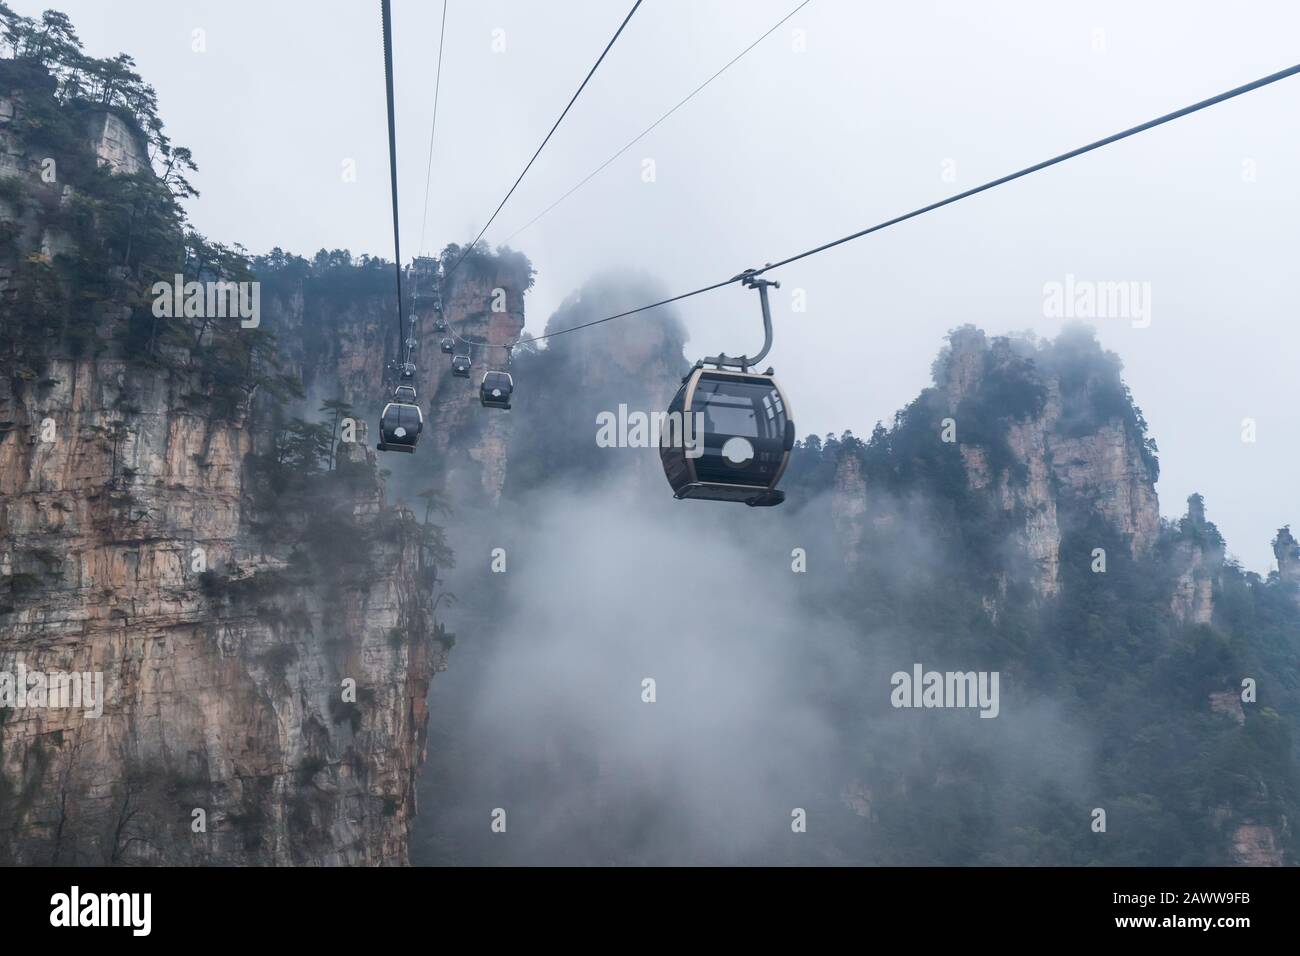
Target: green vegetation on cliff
[(83, 240)]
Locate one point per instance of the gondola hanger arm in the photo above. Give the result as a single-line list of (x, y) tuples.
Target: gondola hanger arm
[(750, 278)]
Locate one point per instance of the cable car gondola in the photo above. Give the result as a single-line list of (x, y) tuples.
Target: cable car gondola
[(460, 366), (447, 346), (401, 421), (747, 429), (440, 324), (495, 389)]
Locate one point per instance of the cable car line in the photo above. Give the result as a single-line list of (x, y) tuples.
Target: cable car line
[(689, 96), (642, 308), (481, 343), (437, 84), (1116, 137), (386, 15), (401, 420), (572, 100), (440, 324)]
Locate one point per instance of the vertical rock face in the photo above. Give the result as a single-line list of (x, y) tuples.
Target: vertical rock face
[(1046, 436), (261, 631), (116, 144), (1193, 599), (960, 376), (1031, 447), (18, 225), (112, 141), (1287, 552), (1198, 561), (484, 305), (129, 553), (1106, 470), (849, 508), (348, 341), (1067, 451), (13, 151), (1017, 478)]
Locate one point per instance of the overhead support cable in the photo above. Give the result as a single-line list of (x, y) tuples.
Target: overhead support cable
[(645, 132), (1001, 180), (573, 99), (387, 16), (437, 85)]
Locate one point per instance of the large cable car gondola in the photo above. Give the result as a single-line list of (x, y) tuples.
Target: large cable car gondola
[(497, 386), (401, 421), (747, 431), (495, 389)]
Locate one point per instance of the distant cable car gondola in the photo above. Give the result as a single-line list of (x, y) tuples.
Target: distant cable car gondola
[(440, 324), (495, 389), (460, 366), (401, 421), (447, 346), (729, 433)]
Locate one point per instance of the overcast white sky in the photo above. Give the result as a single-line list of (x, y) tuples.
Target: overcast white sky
[(789, 149)]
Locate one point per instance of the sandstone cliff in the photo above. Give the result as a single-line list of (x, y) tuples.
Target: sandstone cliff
[(1057, 456), (484, 307), (1027, 466), (335, 317), (223, 686), (1198, 561), (262, 624), (1287, 552), (1049, 449)]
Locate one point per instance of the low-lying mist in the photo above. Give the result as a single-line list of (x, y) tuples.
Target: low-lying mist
[(765, 702), (782, 643)]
